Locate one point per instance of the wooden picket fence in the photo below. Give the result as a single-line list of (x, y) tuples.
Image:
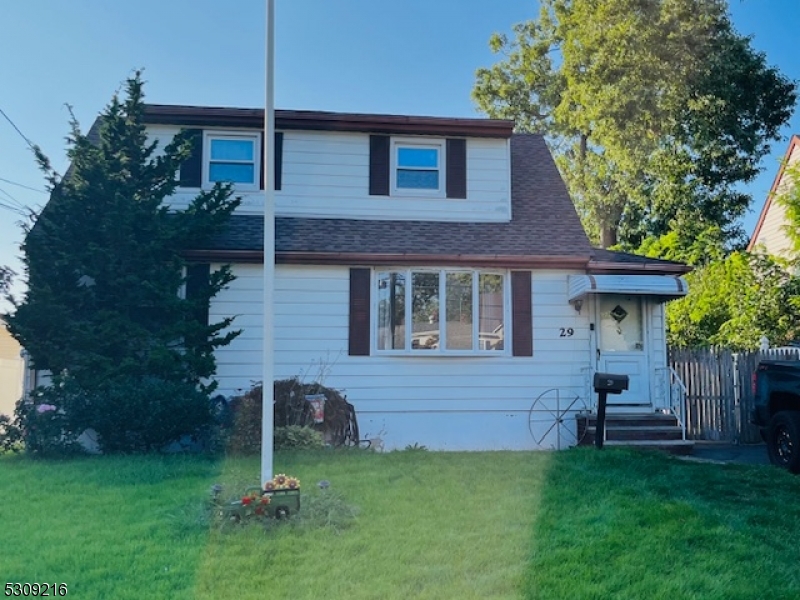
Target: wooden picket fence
[(719, 391)]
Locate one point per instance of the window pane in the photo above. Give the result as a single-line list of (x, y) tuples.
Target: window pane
[(621, 324), (490, 313), (232, 150), (233, 172), (458, 294), (418, 157), (417, 180), (391, 311), (425, 318)]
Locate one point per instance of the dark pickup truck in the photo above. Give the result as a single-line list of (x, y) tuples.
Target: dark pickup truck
[(776, 386)]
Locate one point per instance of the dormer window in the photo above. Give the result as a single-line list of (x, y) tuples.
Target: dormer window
[(233, 158), (417, 167)]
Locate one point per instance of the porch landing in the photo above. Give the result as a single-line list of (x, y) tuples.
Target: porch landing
[(652, 430)]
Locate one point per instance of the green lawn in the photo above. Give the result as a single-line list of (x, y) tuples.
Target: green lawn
[(575, 524)]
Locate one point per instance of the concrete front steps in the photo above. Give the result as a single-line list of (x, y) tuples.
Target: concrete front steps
[(646, 430)]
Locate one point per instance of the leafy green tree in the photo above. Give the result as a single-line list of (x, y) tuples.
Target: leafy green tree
[(736, 301), (105, 269), (655, 109)]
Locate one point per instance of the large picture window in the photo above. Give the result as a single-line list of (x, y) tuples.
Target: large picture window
[(440, 311)]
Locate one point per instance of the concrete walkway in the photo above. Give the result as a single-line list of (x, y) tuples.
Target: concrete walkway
[(750, 454)]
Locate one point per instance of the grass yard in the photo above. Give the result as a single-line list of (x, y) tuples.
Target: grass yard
[(575, 524)]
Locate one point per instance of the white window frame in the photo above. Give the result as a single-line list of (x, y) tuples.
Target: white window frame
[(438, 144), (210, 135), (441, 351)]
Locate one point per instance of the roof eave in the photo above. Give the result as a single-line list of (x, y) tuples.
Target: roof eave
[(253, 118), (400, 259), (596, 267)]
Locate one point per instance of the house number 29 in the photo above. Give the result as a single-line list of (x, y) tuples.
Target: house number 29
[(567, 332)]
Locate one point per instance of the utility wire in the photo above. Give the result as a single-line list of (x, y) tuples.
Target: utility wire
[(22, 135), (22, 185), (15, 204)]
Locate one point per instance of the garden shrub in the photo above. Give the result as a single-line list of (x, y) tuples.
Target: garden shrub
[(10, 435), (295, 437), (147, 414), (128, 415), (294, 413)]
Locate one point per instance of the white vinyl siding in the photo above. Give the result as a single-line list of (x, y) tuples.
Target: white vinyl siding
[(326, 175), (772, 237), (445, 403)]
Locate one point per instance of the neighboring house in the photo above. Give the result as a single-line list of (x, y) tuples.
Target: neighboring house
[(770, 235), (11, 371), (433, 269)]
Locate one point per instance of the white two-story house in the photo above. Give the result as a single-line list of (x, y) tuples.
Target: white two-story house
[(434, 269)]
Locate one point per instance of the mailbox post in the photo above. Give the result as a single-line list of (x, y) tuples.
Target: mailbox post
[(604, 384)]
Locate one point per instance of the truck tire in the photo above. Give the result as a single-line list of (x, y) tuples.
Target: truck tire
[(783, 440)]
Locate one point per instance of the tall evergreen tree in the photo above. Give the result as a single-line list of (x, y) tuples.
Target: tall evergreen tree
[(105, 266)]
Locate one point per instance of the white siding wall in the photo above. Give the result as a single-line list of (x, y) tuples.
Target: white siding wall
[(772, 236), (326, 175), (658, 353), (442, 402)]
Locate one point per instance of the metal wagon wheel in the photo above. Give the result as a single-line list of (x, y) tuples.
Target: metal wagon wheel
[(553, 412)]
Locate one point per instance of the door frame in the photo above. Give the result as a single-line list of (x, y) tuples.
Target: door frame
[(595, 344)]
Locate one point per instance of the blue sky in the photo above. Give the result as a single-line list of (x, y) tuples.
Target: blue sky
[(410, 57)]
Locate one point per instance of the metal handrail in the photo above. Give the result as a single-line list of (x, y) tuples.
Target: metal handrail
[(683, 392)]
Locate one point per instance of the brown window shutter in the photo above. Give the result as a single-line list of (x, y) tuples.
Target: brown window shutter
[(521, 314), (191, 172), (277, 159), (197, 278), (359, 312), (379, 146), (456, 168)]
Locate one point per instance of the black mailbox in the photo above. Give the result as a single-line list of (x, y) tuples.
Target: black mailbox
[(610, 383), (604, 384)]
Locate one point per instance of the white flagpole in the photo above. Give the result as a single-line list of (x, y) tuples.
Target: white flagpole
[(269, 251)]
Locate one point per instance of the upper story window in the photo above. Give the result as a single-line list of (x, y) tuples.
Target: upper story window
[(232, 158), (418, 167)]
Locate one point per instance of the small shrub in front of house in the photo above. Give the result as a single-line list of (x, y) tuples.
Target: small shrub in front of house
[(10, 435), (295, 425), (42, 424), (146, 414), (295, 437), (128, 415)]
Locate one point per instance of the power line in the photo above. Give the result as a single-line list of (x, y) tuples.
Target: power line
[(22, 135), (15, 205), (27, 187)]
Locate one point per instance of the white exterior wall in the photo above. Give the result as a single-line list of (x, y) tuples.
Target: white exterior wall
[(326, 175), (452, 403), (658, 353), (772, 236)]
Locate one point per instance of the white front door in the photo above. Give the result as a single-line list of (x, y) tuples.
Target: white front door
[(622, 346)]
